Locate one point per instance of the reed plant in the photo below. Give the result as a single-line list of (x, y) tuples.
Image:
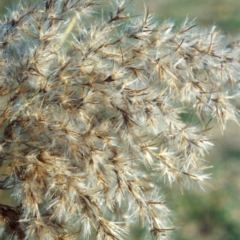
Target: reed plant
[(92, 116)]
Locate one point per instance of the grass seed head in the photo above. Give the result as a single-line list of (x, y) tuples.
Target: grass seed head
[(91, 116)]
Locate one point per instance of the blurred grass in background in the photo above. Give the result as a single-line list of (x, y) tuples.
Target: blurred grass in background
[(222, 13), (214, 214)]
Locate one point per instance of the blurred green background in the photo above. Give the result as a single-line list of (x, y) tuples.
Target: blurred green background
[(215, 213)]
